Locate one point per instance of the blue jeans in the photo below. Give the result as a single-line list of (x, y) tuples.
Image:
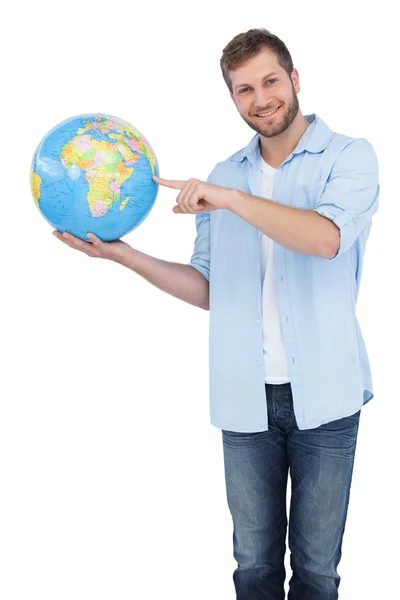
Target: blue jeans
[(256, 473)]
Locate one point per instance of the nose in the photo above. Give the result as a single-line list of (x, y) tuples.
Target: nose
[(261, 99)]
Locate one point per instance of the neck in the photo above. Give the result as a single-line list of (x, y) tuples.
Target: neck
[(275, 150)]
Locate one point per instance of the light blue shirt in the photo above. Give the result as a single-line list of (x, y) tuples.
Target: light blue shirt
[(329, 371)]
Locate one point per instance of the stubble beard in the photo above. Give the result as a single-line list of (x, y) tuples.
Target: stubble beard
[(269, 130)]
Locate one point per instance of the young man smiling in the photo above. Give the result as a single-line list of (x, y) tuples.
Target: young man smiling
[(282, 227)]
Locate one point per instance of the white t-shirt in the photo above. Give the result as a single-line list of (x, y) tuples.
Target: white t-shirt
[(275, 364)]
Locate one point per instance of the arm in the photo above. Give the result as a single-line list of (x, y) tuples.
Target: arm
[(344, 208), (351, 196), (347, 205), (302, 231), (179, 280), (187, 282)]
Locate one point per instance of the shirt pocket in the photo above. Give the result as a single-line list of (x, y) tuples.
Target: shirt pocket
[(307, 196)]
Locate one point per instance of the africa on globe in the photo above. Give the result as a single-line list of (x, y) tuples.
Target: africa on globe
[(93, 174)]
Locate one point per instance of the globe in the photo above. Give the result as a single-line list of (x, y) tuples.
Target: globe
[(93, 174)]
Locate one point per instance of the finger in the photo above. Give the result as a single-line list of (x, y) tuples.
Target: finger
[(76, 242), (185, 196), (171, 183), (64, 241), (191, 200), (62, 238), (94, 239), (72, 238), (177, 210), (180, 203)]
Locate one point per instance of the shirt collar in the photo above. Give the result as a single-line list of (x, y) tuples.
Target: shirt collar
[(315, 139)]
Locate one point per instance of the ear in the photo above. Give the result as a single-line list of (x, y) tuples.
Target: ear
[(296, 80)]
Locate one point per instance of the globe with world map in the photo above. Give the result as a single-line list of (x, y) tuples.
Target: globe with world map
[(93, 174)]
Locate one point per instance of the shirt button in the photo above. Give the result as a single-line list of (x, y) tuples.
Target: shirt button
[(258, 321), (281, 277), (258, 364), (287, 320)]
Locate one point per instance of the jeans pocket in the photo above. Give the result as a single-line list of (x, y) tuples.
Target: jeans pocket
[(242, 439)]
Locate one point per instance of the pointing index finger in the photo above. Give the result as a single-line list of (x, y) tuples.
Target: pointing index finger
[(171, 183)]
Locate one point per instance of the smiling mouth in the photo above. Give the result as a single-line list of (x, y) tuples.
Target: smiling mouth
[(268, 115)]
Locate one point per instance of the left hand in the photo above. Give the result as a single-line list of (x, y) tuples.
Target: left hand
[(196, 196)]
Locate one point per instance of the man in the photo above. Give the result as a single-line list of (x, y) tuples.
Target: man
[(282, 227)]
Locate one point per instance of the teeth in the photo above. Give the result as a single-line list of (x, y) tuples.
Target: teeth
[(268, 113)]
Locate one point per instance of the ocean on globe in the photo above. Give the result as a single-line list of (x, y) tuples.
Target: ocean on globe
[(93, 174)]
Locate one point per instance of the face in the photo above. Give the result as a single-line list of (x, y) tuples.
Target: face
[(261, 85)]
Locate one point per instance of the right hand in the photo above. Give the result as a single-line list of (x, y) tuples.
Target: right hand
[(117, 251)]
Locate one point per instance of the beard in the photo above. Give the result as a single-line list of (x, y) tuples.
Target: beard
[(272, 129)]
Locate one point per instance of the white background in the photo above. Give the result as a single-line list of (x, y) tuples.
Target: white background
[(112, 481)]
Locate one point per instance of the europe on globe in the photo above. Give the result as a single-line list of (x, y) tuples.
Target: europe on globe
[(93, 174)]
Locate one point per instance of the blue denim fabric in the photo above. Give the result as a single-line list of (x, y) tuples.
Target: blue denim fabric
[(320, 462)]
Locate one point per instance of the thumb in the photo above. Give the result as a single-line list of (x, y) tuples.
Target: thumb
[(177, 209)]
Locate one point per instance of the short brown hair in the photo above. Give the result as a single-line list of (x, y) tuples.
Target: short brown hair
[(246, 45)]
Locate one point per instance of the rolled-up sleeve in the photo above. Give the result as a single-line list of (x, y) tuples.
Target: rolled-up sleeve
[(200, 259), (350, 198)]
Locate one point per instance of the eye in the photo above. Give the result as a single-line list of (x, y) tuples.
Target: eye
[(246, 88)]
